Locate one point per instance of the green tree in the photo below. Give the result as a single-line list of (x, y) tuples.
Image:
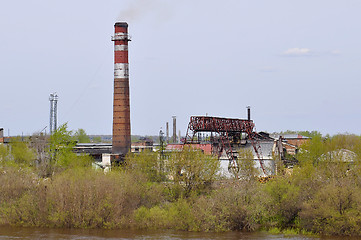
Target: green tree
[(311, 151), (81, 136), (61, 151), (22, 153), (245, 163), (97, 139), (3, 153), (282, 202), (147, 163), (192, 170), (310, 134)]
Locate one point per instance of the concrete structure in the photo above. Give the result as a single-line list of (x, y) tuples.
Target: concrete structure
[(141, 146), (268, 150), (267, 159), (121, 106), (100, 152)]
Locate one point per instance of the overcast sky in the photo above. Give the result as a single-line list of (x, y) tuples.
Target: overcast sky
[(297, 63)]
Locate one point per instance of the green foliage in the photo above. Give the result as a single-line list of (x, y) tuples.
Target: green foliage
[(311, 151), (81, 136), (245, 162), (283, 202), (323, 194), (97, 139), (21, 153), (15, 182), (192, 170), (61, 139), (176, 215), (318, 149), (18, 153), (148, 163), (334, 209), (310, 134), (76, 198), (88, 198), (3, 153), (61, 151), (222, 210)]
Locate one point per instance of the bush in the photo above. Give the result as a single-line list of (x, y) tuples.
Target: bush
[(148, 164), (88, 198), (192, 171), (283, 202), (323, 195)]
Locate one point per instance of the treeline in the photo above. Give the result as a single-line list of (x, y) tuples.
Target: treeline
[(185, 191)]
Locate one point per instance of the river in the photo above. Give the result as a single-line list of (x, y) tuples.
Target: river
[(97, 234)]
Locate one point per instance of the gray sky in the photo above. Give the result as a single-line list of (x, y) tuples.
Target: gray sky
[(296, 63)]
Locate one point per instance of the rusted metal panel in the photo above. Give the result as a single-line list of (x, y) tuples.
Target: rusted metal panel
[(216, 124)]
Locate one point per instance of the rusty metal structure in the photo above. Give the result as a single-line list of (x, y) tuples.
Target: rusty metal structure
[(226, 135), (121, 108)]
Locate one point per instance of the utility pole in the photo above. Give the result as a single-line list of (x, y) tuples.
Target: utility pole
[(53, 112)]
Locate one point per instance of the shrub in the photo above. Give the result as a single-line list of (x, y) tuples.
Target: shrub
[(88, 198), (192, 171), (147, 163)]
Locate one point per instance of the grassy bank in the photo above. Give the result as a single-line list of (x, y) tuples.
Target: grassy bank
[(323, 195)]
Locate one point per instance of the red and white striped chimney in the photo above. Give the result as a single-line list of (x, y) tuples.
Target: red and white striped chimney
[(121, 106)]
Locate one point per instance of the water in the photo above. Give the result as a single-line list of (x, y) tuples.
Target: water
[(98, 234)]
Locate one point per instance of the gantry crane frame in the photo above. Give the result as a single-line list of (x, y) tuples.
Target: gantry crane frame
[(226, 128)]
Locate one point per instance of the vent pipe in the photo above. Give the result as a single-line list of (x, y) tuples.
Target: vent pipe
[(174, 129), (248, 113), (167, 128)]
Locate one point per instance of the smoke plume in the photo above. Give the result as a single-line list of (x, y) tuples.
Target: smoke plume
[(137, 10)]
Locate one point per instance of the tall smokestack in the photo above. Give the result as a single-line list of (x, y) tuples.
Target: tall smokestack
[(121, 106), (167, 127), (174, 129), (248, 113)]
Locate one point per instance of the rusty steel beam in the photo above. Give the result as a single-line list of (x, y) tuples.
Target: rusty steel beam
[(216, 124)]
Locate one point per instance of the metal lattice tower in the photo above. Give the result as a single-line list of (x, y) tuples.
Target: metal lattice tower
[(53, 112)]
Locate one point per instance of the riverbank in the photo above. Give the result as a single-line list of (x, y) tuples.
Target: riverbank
[(321, 196), (72, 234)]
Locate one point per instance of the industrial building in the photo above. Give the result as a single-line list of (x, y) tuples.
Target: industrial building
[(222, 137), (225, 136)]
